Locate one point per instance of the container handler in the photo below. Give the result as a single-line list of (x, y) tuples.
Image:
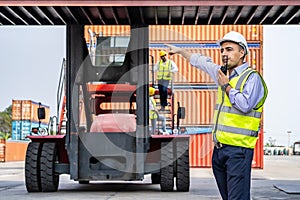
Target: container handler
[(106, 134)]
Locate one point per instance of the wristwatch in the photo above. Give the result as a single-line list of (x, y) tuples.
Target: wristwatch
[(225, 86)]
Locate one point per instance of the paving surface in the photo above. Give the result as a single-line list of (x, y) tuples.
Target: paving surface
[(279, 180)]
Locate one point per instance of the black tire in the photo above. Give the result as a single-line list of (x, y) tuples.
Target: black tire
[(32, 167), (49, 179), (182, 167), (155, 178), (167, 168)]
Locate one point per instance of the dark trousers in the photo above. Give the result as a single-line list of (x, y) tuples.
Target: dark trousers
[(232, 170), (163, 92)]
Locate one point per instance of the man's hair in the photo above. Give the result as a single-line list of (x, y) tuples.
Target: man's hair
[(242, 48)]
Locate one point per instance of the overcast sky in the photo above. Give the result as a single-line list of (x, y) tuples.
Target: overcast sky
[(281, 55), (30, 62), (31, 58)]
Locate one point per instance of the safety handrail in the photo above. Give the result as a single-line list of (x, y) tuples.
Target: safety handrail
[(61, 83), (172, 102), (152, 70), (61, 89)]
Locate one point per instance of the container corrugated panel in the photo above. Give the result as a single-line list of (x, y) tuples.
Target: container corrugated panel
[(2, 150), (21, 110), (27, 110), (258, 157), (183, 32), (201, 33), (16, 150), (189, 74), (199, 106), (201, 148), (255, 59), (186, 72), (192, 34), (201, 113), (112, 30), (22, 128), (115, 106)]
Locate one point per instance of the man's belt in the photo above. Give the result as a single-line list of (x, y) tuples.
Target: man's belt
[(219, 145)]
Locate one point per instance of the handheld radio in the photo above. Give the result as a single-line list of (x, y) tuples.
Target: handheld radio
[(224, 67)]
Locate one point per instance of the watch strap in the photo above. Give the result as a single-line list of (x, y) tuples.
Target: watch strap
[(225, 86)]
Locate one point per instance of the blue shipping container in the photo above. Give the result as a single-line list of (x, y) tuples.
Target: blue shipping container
[(22, 128)]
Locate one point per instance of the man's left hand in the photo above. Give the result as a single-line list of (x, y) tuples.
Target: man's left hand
[(222, 78)]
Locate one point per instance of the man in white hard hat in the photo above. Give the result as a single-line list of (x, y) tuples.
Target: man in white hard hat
[(241, 95), (164, 73)]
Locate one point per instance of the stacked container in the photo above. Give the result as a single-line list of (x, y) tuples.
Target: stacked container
[(194, 89), (25, 117), (2, 150)]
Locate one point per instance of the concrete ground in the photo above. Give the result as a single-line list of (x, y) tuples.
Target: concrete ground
[(280, 179)]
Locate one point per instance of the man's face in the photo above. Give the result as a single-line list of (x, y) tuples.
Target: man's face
[(163, 58), (234, 54)]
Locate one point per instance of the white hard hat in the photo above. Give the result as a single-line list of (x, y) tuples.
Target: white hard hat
[(235, 37)]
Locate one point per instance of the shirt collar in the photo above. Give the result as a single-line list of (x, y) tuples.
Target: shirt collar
[(238, 70)]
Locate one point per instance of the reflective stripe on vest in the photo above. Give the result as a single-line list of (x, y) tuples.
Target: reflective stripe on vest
[(232, 126), (164, 71), (152, 113)]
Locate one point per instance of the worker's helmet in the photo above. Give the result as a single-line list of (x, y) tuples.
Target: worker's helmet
[(151, 91), (162, 53), (235, 37)]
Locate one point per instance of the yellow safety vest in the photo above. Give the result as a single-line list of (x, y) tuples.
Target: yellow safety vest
[(164, 71), (152, 113), (233, 127)]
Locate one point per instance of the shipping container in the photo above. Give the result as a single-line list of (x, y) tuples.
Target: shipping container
[(196, 38), (201, 149), (194, 89), (15, 150), (191, 75), (199, 33), (27, 110), (182, 33), (199, 106), (22, 128), (258, 156), (106, 31), (2, 151)]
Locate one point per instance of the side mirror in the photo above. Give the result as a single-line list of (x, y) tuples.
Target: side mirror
[(181, 112), (41, 113)]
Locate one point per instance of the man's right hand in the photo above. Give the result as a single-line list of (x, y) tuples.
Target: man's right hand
[(173, 49), (176, 50)]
